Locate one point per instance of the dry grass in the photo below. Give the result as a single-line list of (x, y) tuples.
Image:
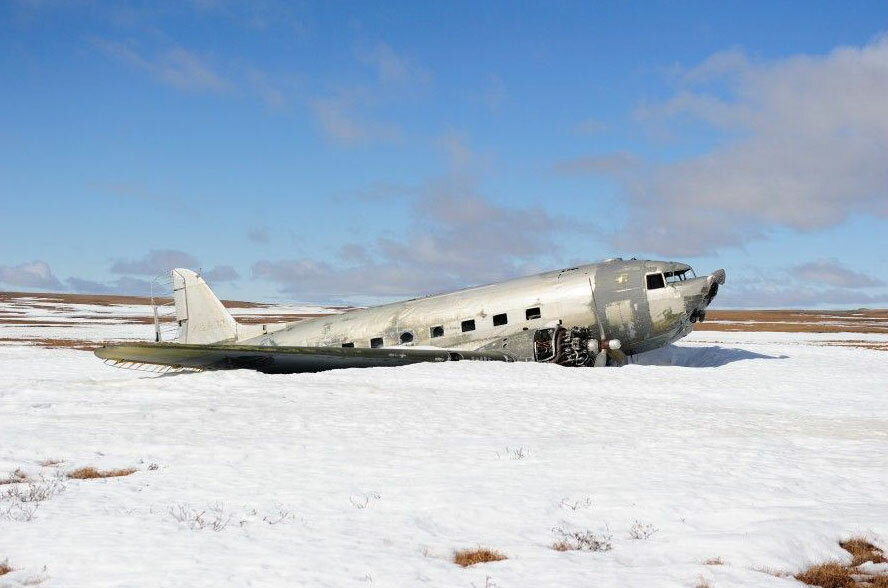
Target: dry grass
[(836, 575), (567, 540), (714, 561), (862, 551), (89, 473), (4, 568), (51, 462), (14, 478), (470, 557), (827, 575)]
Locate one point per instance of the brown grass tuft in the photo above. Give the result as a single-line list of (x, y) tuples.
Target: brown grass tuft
[(51, 462), (562, 546), (4, 568), (828, 575), (14, 478), (714, 561), (879, 582), (89, 473), (470, 557), (862, 551)]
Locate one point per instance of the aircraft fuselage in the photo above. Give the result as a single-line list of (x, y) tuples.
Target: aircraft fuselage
[(643, 304)]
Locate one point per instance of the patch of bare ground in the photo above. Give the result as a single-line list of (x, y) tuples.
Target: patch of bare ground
[(470, 557), (714, 561), (839, 575), (90, 473), (109, 299), (796, 321), (875, 345), (79, 344), (261, 319), (36, 323)]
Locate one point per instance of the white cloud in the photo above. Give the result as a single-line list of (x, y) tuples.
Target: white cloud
[(806, 285), (776, 295), (35, 274), (122, 285), (611, 163), (806, 145), (221, 273), (456, 236), (833, 273), (156, 262)]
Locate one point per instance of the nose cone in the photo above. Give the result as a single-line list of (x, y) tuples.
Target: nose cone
[(698, 294)]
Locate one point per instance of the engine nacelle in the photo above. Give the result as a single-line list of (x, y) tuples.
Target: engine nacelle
[(573, 347)]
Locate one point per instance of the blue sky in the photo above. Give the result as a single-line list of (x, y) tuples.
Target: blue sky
[(332, 152)]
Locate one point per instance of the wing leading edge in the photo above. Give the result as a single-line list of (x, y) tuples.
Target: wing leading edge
[(279, 360)]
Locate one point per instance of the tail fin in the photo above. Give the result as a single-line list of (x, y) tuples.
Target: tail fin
[(201, 317)]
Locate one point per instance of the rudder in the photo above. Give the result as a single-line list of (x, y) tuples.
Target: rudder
[(199, 313)]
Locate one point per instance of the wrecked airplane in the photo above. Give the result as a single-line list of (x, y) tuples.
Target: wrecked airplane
[(590, 315)]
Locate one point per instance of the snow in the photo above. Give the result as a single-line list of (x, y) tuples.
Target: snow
[(760, 449)]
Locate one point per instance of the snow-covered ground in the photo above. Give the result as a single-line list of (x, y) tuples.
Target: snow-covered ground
[(761, 450)]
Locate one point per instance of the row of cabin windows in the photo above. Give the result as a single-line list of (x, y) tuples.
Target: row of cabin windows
[(466, 326)]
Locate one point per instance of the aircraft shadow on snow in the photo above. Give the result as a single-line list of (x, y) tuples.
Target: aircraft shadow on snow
[(708, 356)]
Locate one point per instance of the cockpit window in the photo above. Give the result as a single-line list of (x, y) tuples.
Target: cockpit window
[(679, 276), (655, 281)]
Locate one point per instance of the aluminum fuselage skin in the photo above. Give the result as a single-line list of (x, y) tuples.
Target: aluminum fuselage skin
[(614, 292)]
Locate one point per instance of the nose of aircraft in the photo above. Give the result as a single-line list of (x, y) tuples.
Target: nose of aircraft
[(698, 294)]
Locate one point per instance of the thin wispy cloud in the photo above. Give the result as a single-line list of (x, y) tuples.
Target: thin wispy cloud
[(176, 67), (342, 121), (258, 234), (392, 67)]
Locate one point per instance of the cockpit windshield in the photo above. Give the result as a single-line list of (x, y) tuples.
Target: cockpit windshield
[(679, 276)]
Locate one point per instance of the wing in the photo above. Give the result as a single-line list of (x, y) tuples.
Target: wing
[(277, 360)]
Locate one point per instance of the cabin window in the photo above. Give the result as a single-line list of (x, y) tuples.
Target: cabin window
[(376, 342), (655, 281), (500, 320), (348, 344), (406, 337), (533, 313), (436, 331), (468, 325)]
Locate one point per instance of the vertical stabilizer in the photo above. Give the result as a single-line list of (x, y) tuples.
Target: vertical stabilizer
[(200, 315)]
